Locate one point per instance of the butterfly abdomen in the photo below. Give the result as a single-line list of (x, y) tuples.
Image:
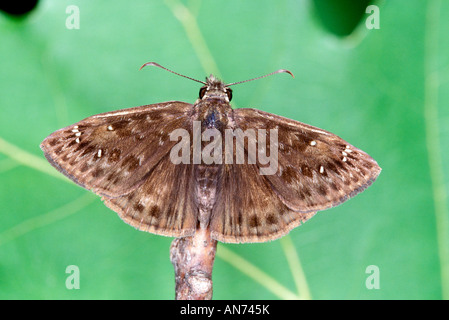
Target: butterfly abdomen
[(206, 178)]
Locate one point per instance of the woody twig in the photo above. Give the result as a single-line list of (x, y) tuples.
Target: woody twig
[(193, 260)]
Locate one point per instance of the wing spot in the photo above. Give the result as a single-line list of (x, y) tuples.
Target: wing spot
[(98, 172), (254, 221), (58, 150), (271, 219), (84, 168), (66, 157), (288, 174), (155, 212), (306, 171), (132, 163), (139, 207), (306, 192), (89, 150), (333, 186), (53, 142), (115, 155), (340, 164), (86, 150), (322, 190)]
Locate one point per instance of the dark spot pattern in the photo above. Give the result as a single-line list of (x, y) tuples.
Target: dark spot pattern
[(254, 221), (89, 150), (271, 219), (97, 173), (82, 145), (114, 156), (155, 212), (53, 142), (306, 171), (289, 174), (339, 164), (58, 150), (322, 190), (84, 168), (131, 163), (138, 207)]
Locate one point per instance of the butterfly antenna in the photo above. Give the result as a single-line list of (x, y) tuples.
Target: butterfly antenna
[(277, 71), (154, 64)]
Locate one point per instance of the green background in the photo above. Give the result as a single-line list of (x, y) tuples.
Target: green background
[(385, 91)]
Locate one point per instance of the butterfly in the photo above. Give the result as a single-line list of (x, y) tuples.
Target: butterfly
[(130, 158)]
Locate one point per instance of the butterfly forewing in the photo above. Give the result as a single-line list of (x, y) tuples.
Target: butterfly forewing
[(112, 153), (316, 169)]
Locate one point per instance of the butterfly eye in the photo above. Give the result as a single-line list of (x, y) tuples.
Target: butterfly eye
[(229, 93), (202, 92)]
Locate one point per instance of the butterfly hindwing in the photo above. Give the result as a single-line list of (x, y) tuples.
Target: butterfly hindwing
[(248, 210), (164, 204)]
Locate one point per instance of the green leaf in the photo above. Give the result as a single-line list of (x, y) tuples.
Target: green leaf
[(384, 90)]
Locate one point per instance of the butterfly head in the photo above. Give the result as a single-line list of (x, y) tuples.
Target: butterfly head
[(215, 89)]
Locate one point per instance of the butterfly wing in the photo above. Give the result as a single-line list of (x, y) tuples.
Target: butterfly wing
[(163, 204), (316, 169), (112, 153), (248, 210)]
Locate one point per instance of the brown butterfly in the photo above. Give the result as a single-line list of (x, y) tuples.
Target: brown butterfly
[(127, 157)]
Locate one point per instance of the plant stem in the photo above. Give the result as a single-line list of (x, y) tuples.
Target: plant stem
[(193, 260)]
